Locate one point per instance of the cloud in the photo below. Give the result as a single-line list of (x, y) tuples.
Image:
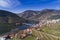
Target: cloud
[(4, 3), (9, 3)]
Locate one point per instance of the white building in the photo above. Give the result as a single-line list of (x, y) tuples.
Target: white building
[(2, 38)]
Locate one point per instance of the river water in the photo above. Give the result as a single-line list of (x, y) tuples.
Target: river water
[(23, 27)]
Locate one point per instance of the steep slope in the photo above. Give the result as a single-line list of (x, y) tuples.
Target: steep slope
[(8, 21), (8, 17)]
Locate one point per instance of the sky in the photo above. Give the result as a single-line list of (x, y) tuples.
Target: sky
[(18, 6)]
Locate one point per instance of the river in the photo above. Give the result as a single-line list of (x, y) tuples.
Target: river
[(23, 27)]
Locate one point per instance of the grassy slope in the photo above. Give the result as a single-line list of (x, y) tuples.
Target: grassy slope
[(51, 32), (54, 30)]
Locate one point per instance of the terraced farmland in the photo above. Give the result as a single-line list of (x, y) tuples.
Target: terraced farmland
[(51, 32), (45, 36)]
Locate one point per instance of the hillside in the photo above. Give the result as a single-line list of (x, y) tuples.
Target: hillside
[(40, 15), (55, 17), (8, 21), (8, 17)]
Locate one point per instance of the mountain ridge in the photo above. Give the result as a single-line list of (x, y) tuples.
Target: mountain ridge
[(40, 15)]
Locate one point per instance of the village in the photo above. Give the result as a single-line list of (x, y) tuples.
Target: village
[(21, 34)]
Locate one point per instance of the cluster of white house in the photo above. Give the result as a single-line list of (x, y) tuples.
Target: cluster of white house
[(53, 21), (44, 22), (2, 38)]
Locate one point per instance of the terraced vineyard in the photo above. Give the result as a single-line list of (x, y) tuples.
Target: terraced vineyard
[(50, 32), (45, 36)]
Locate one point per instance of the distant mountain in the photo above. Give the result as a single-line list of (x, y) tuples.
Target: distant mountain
[(28, 13), (40, 15), (8, 21), (46, 14)]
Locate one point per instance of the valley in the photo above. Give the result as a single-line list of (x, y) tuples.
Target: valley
[(30, 25)]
